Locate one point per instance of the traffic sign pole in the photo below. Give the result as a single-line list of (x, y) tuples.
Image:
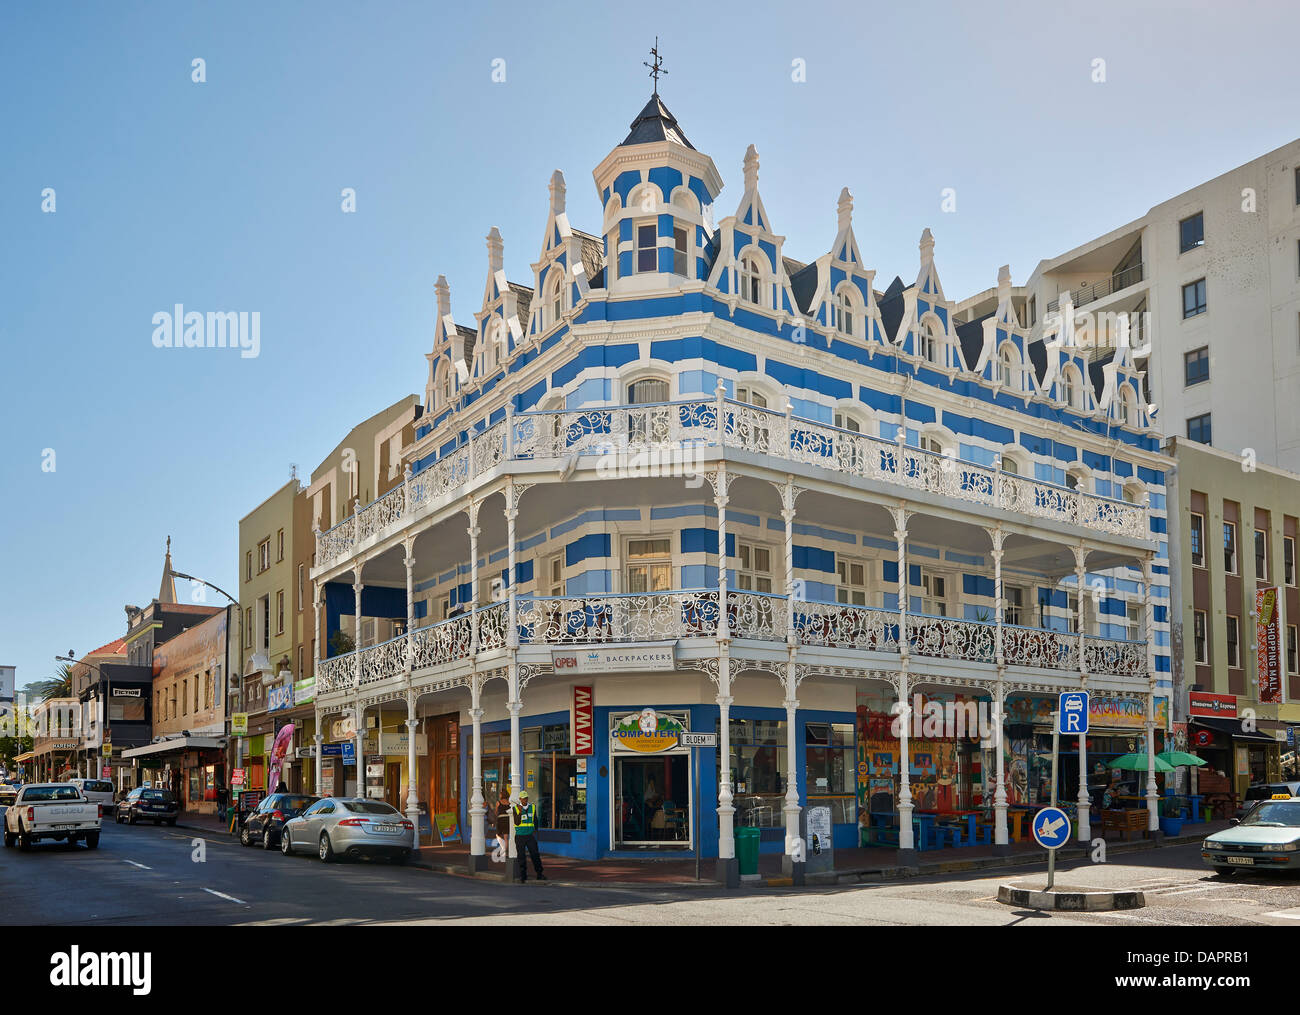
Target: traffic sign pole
[(1056, 757)]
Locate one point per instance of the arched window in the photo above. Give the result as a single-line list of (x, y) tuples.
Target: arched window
[(845, 421), (751, 280), (929, 340), (1010, 465), (555, 297), (648, 425), (1007, 369), (1076, 479), (844, 310), (751, 396), (1071, 390), (932, 444), (1127, 416), (442, 390)]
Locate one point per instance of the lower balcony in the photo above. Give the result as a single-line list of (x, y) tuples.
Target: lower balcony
[(751, 616)]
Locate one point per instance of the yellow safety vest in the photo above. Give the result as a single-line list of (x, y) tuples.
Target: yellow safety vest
[(525, 820)]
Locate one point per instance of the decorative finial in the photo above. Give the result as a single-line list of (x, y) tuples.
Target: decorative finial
[(657, 67), (845, 209), (927, 245), (169, 544), (751, 167), (496, 250), (557, 192)]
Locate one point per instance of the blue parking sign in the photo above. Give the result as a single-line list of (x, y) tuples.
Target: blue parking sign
[(1072, 713)]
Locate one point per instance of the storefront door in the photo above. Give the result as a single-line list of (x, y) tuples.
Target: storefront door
[(444, 753), (652, 802)]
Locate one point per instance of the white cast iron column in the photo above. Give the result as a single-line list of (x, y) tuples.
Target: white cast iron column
[(473, 531), (359, 738), (728, 872), (1001, 837), (1148, 623), (477, 839), (1083, 799), (319, 740), (789, 493), (359, 732), (906, 843)]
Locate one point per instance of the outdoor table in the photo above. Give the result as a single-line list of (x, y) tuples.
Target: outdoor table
[(1196, 808), (968, 816), (1016, 818)]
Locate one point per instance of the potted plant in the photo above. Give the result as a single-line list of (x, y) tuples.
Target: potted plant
[(1171, 816)]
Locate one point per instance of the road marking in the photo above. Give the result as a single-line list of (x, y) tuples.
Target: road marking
[(223, 895), (140, 865), (1165, 893), (1285, 914)]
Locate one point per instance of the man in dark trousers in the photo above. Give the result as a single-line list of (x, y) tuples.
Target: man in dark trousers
[(525, 818)]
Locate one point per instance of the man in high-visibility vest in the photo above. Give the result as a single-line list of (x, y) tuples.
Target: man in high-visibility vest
[(524, 816)]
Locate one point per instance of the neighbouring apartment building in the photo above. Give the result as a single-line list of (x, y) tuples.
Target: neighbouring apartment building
[(1211, 278), (1236, 671)]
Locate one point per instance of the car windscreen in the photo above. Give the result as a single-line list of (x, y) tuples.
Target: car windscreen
[(157, 794), (371, 807), (1274, 812), (97, 786), (295, 803), (39, 793)]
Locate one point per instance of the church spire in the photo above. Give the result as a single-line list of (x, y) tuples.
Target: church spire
[(167, 589)]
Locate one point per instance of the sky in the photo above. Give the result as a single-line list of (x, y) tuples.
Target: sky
[(226, 195)]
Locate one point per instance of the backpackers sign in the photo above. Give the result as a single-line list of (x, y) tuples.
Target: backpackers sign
[(645, 732)]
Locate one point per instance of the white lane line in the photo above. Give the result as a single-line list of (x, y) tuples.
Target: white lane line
[(140, 865), (223, 895), (1293, 915), (1165, 894)]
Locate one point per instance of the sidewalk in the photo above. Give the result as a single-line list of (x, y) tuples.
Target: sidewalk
[(851, 865)]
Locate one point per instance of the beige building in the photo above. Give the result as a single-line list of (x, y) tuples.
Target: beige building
[(1235, 532), (1211, 279)]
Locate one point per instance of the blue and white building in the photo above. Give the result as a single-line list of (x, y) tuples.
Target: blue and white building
[(700, 477)]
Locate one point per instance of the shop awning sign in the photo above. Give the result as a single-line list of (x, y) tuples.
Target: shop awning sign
[(646, 732), (615, 660), (1206, 704), (280, 698)]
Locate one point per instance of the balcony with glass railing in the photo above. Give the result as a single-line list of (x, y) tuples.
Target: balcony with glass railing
[(670, 436), (563, 621)]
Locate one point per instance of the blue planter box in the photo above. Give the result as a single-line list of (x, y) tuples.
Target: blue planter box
[(1171, 826)]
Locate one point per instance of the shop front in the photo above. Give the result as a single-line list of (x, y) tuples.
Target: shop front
[(191, 767)]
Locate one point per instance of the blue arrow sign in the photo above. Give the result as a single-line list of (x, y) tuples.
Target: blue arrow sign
[(1051, 828), (1072, 713)]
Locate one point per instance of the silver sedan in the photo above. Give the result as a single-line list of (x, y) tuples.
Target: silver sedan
[(352, 826)]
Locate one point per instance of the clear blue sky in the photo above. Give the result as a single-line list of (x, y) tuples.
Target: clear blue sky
[(225, 196)]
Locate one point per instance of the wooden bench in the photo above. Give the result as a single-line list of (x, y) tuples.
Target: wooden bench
[(1124, 821)]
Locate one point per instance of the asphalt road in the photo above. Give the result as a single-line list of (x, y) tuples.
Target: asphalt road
[(148, 875)]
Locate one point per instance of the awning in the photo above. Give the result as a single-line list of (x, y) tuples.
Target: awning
[(175, 746), (25, 757), (1231, 728)]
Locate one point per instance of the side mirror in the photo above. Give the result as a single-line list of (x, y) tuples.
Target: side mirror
[(1233, 821)]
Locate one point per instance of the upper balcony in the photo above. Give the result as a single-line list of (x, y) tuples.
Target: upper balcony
[(1107, 285), (688, 432), (862, 632)]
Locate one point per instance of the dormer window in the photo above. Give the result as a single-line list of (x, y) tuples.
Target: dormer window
[(647, 248), (751, 280), (1126, 406), (1007, 368), (928, 340), (843, 311), (555, 299), (1071, 391), (444, 387)]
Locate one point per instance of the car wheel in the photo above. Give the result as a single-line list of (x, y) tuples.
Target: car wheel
[(326, 851), (267, 842), (130, 818), (172, 823), (24, 840), (9, 839), (244, 838), (92, 840), (403, 857), (286, 847)]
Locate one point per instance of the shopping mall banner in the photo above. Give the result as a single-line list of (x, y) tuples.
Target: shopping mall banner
[(1267, 649)]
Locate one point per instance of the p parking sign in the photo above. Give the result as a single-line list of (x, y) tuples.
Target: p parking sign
[(1072, 713)]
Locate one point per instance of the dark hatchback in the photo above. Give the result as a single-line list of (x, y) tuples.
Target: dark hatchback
[(264, 824), (156, 805)]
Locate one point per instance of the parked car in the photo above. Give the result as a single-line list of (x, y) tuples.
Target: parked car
[(1268, 837), (144, 804), (1266, 791), (264, 824), (8, 793), (51, 810), (349, 825), (97, 791)]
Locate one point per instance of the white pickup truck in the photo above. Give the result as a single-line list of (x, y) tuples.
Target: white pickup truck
[(52, 810)]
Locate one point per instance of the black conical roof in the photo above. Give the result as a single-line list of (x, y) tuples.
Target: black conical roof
[(655, 123)]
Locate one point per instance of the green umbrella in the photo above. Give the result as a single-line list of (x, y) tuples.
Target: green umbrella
[(1138, 763), (1180, 758)]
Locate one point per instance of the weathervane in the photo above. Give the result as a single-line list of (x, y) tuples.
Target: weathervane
[(656, 68)]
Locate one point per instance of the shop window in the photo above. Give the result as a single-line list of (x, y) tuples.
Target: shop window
[(1233, 638), (759, 768), (1198, 638), (852, 575), (830, 769), (550, 775), (1198, 541), (649, 565)]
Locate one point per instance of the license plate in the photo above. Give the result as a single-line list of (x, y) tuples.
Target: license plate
[(387, 828), (59, 828), (1246, 860)]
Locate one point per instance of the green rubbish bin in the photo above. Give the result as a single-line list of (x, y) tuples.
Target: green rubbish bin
[(747, 850)]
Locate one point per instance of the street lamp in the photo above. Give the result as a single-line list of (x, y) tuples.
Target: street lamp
[(71, 657)]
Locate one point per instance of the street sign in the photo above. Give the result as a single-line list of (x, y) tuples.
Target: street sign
[(698, 739), (349, 752), (1072, 714), (1051, 828)]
